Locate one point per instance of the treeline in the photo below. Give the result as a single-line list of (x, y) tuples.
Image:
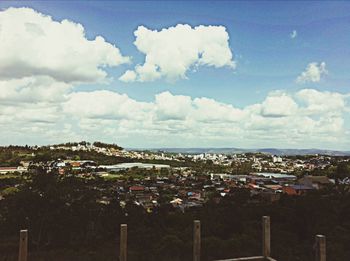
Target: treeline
[(45, 154), (86, 143), (338, 171), (107, 145), (67, 221), (12, 156)]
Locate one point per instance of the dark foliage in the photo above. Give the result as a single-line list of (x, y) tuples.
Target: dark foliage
[(67, 221)]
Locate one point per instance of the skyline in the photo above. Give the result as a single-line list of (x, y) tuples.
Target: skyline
[(176, 74)]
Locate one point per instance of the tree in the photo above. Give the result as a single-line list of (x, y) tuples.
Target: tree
[(342, 171)]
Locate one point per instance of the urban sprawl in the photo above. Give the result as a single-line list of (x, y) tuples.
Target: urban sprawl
[(182, 181)]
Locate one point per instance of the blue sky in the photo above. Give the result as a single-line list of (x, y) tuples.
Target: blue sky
[(268, 64)]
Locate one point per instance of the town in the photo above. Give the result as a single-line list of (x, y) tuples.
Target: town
[(72, 197), (150, 179)]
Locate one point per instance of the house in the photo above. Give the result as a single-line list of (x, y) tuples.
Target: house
[(297, 189), (5, 170), (318, 182), (275, 188), (136, 189), (269, 196)]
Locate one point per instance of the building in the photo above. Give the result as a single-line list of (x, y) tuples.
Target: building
[(277, 159), (297, 189), (126, 166), (5, 170), (317, 182)]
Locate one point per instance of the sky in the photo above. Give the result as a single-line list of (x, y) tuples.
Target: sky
[(147, 74)]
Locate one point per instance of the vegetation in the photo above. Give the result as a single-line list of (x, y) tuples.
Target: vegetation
[(68, 221), (12, 156), (107, 145), (70, 217), (45, 154)]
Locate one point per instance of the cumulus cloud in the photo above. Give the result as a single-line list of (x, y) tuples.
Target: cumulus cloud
[(104, 105), (313, 73), (211, 111), (305, 118), (325, 102), (37, 94), (278, 106), (171, 107), (171, 52), (280, 118), (293, 34), (32, 90), (41, 60), (33, 44), (128, 76)]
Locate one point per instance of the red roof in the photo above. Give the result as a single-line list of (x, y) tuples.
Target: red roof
[(137, 188), (8, 168)]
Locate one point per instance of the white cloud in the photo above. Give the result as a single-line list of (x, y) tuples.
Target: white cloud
[(313, 73), (32, 90), (317, 102), (128, 76), (278, 106), (104, 105), (293, 34), (39, 104), (178, 120), (172, 107), (40, 62), (306, 118), (171, 52), (33, 44), (210, 111)]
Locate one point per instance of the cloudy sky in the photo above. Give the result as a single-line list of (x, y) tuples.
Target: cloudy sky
[(176, 74)]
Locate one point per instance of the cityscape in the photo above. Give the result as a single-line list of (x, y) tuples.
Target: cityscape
[(78, 180), (147, 178), (166, 130)]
